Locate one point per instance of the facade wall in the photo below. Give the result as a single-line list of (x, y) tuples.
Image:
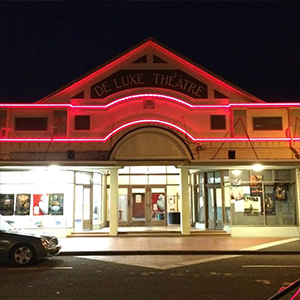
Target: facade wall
[(151, 107), (192, 126)]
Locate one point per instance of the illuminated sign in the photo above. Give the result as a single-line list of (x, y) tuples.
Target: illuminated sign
[(149, 121), (169, 79)]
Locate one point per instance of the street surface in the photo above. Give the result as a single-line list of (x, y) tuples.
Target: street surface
[(203, 277)]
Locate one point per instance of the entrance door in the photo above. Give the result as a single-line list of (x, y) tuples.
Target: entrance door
[(139, 206), (158, 205), (148, 206), (214, 206), (83, 208)]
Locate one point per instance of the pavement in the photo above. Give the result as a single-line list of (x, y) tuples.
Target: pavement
[(178, 245)]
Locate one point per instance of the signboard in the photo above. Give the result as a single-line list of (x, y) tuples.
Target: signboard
[(176, 80)]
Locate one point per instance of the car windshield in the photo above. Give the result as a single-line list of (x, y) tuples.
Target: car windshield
[(4, 226)]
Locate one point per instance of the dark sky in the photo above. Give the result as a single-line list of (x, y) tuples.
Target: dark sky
[(253, 44)]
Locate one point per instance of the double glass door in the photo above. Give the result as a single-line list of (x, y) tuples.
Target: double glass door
[(142, 206), (209, 200)]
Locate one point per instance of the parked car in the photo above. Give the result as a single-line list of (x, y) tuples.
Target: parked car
[(288, 293), (24, 248)]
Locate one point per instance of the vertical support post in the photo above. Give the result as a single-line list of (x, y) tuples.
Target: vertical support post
[(298, 195), (113, 223), (104, 216), (185, 205)]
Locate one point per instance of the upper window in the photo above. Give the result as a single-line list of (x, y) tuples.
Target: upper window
[(217, 122), (82, 122), (31, 124), (267, 123)]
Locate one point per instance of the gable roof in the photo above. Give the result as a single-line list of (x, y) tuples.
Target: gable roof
[(150, 42)]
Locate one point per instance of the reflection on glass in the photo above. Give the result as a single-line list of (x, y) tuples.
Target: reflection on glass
[(123, 204)]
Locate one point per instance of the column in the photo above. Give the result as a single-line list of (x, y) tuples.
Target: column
[(113, 223), (185, 205), (104, 216), (298, 192)]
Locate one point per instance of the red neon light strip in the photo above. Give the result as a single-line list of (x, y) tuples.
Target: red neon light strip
[(145, 121), (150, 95), (14, 105)]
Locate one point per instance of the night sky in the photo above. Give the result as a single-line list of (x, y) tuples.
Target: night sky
[(46, 44)]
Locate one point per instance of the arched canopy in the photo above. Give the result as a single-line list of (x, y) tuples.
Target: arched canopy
[(150, 143)]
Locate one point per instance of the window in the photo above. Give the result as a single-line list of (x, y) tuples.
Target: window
[(267, 123), (31, 124), (82, 122), (263, 198), (217, 122), (3, 115)]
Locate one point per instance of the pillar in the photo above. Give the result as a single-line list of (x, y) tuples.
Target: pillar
[(185, 205), (113, 223), (298, 192)]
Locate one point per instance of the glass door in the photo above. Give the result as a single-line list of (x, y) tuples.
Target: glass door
[(215, 210), (157, 208), (87, 208), (123, 206), (138, 205), (148, 206), (83, 208)]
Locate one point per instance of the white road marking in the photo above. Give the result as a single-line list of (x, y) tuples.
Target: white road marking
[(271, 266), (34, 269), (276, 243), (154, 263)]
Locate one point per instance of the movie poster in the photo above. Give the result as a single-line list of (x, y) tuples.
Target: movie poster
[(236, 190), (40, 204), (22, 205), (269, 204), (7, 204), (281, 191), (251, 206), (255, 185), (56, 204)]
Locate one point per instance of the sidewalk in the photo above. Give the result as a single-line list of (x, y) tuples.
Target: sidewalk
[(175, 245)]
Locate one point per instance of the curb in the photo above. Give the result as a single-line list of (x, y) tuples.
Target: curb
[(175, 252)]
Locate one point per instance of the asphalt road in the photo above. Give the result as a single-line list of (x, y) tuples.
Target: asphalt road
[(204, 277)]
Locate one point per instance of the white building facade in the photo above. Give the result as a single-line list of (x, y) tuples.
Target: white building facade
[(151, 139)]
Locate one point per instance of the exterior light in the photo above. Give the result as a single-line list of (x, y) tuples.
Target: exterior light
[(257, 167), (53, 168), (236, 172)]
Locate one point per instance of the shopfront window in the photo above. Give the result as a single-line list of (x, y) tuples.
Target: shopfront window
[(45, 196), (266, 198), (37, 198)]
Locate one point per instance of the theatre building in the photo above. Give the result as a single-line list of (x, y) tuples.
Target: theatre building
[(150, 138)]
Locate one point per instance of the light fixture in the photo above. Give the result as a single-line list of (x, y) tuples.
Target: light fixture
[(53, 168), (236, 172), (257, 167)]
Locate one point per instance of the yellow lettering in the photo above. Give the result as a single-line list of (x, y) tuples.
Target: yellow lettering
[(171, 80), (199, 91), (140, 78), (101, 89)]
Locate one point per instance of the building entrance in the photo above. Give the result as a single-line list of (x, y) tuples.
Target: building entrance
[(142, 206), (210, 200), (147, 195)]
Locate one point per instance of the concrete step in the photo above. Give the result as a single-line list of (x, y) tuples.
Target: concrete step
[(148, 233)]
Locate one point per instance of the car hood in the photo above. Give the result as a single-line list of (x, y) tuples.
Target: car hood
[(30, 234)]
